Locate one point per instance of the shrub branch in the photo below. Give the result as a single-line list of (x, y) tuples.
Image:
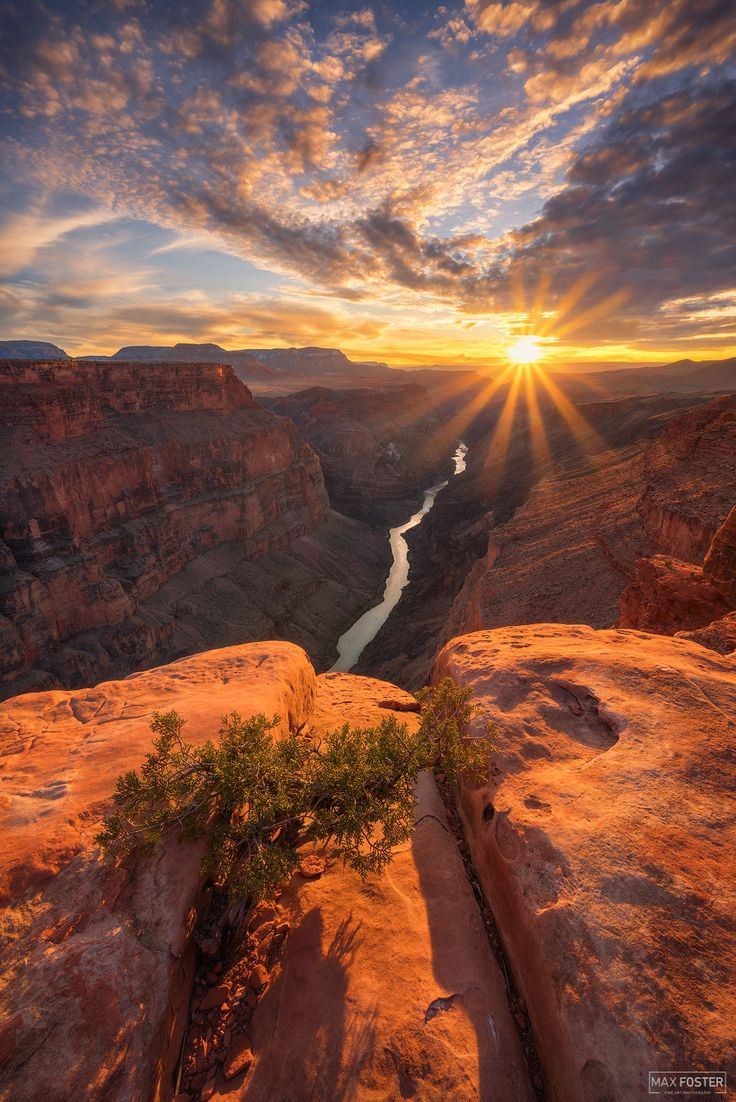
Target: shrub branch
[(257, 799)]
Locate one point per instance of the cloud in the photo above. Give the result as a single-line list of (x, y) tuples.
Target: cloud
[(24, 234), (645, 205), (441, 165)]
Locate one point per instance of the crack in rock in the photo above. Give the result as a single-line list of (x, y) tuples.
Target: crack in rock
[(439, 1006)]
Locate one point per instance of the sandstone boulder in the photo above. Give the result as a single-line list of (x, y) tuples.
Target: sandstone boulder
[(604, 844)]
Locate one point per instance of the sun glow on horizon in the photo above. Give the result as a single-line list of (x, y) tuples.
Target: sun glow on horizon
[(525, 350)]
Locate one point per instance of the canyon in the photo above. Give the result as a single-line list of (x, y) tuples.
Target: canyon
[(148, 514), (379, 448), (559, 533), (553, 933)]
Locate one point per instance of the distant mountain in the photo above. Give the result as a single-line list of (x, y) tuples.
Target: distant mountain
[(246, 366), (31, 350), (719, 374), (680, 377), (314, 361)]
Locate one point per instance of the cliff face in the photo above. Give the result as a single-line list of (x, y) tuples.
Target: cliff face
[(667, 596), (118, 477), (601, 843), (379, 448), (690, 480), (692, 473)]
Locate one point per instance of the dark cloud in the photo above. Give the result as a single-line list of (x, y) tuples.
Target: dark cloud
[(648, 205)]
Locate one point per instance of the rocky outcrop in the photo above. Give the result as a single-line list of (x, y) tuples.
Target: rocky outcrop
[(116, 481), (379, 448), (99, 961), (386, 988), (719, 565), (672, 597), (602, 845), (667, 596), (720, 635)]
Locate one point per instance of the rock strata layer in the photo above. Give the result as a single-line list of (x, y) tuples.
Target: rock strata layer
[(116, 479)]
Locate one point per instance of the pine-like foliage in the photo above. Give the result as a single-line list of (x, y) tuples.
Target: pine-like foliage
[(257, 798)]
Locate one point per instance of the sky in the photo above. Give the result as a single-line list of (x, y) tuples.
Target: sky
[(409, 182)]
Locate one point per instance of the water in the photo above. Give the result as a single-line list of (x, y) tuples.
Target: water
[(353, 642)]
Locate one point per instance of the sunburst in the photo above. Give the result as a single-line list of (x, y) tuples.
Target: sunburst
[(525, 350), (522, 385)]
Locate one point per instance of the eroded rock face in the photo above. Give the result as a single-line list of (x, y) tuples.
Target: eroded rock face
[(720, 635), (674, 597), (720, 562), (603, 845), (666, 596), (97, 964), (620, 539), (690, 479), (115, 478), (379, 448)]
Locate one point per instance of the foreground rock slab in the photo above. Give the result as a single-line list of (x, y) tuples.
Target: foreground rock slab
[(97, 965), (386, 988), (605, 846), (383, 989)]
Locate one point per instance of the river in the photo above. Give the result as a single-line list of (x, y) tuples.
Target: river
[(353, 642)]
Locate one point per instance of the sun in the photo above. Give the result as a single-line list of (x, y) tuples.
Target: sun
[(525, 350)]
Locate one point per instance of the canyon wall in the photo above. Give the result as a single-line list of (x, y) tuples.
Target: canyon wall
[(691, 484), (120, 480), (525, 537), (544, 525), (379, 448), (573, 547)]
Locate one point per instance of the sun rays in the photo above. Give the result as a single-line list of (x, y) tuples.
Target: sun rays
[(531, 407)]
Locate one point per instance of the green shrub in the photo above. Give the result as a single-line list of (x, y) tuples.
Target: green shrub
[(256, 799)]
